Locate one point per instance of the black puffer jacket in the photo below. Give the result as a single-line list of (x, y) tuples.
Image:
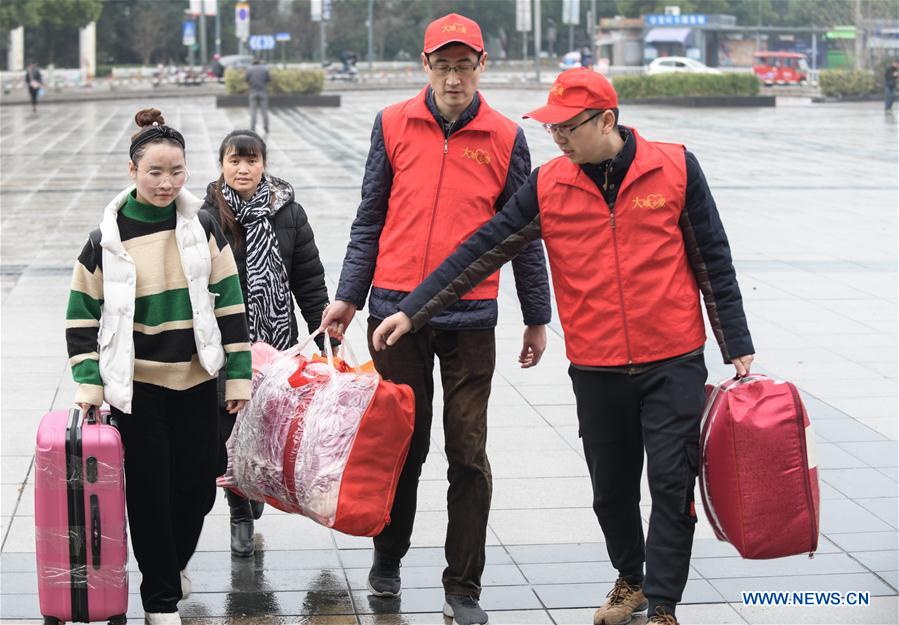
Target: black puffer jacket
[(296, 244)]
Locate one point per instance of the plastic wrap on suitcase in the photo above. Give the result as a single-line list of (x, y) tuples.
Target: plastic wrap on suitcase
[(80, 527)]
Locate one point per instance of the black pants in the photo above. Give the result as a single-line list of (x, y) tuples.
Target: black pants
[(172, 451), (467, 359), (619, 416), (33, 93)]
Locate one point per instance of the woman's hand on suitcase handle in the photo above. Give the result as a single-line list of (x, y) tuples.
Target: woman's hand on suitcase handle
[(743, 364), (390, 331), (86, 407), (233, 406)]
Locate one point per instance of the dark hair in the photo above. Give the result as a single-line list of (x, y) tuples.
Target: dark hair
[(145, 118), (241, 143), (454, 43), (614, 112)]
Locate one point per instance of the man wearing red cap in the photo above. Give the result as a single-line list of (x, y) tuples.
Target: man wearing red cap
[(440, 165), (633, 236)]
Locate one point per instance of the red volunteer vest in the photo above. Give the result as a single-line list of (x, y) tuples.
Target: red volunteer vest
[(624, 287), (443, 190)]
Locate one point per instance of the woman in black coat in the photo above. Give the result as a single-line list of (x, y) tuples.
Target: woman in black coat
[(277, 261)]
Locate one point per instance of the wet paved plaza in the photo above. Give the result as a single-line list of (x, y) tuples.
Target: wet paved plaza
[(809, 198)]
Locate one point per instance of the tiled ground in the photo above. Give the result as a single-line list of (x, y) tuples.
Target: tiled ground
[(808, 195)]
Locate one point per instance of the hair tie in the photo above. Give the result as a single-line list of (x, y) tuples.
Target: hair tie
[(152, 133)]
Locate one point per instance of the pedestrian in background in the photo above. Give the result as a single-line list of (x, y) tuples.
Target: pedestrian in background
[(155, 312), (891, 75), (35, 83), (633, 235), (258, 78), (440, 165), (278, 263)]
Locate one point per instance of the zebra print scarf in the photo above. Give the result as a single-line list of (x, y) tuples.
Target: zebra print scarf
[(268, 298)]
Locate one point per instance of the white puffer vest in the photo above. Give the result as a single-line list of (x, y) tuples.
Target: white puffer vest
[(116, 339)]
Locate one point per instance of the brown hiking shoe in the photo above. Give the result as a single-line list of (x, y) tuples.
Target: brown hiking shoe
[(662, 617), (624, 600)]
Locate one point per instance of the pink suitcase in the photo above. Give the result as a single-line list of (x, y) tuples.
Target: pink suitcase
[(79, 517), (758, 477)]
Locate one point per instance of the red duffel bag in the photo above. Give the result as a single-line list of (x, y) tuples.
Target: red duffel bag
[(758, 475), (321, 438)]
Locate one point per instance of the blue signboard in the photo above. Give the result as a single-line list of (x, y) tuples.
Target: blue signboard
[(689, 19), (262, 42), (282, 37), (189, 34)]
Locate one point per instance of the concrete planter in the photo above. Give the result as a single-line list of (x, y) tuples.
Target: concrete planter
[(706, 101), (279, 100), (868, 97)]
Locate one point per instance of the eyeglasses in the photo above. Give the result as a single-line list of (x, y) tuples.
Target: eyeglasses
[(463, 70), (565, 131), (157, 177)]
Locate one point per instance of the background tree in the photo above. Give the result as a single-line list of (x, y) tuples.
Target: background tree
[(15, 13), (51, 27)]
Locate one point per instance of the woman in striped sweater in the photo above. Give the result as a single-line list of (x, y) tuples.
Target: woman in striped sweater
[(155, 311)]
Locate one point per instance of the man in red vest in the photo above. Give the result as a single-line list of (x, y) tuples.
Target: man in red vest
[(440, 165), (633, 235)]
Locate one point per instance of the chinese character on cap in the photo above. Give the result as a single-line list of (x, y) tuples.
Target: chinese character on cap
[(575, 90), (453, 28)]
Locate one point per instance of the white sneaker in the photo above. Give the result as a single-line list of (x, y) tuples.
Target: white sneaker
[(186, 586), (162, 618)]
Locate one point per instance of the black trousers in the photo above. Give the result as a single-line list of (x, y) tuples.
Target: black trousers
[(619, 416), (467, 359), (172, 451)]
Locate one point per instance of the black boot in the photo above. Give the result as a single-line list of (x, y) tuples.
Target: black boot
[(256, 507), (241, 525)]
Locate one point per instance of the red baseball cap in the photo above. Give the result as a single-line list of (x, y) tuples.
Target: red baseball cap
[(575, 90), (453, 28)]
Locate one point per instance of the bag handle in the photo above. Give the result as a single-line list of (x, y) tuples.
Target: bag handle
[(299, 348), (346, 347)]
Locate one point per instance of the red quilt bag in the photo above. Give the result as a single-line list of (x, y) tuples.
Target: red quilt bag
[(758, 475)]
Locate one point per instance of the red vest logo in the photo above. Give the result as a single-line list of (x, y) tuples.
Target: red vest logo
[(653, 200), (479, 156), (455, 28)]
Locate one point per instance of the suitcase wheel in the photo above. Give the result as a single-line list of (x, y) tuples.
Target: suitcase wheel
[(52, 620), (121, 619)]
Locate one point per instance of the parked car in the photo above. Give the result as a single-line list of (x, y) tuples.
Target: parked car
[(780, 68), (679, 64), (238, 61), (571, 59)]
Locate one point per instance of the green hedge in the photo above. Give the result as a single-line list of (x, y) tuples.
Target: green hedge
[(283, 81), (837, 83), (669, 85)]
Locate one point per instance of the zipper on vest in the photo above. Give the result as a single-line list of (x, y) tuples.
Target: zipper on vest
[(627, 340), (424, 269)]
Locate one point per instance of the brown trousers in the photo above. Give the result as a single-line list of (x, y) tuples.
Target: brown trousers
[(467, 359)]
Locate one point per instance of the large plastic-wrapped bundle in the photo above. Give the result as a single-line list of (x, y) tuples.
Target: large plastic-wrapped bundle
[(321, 439)]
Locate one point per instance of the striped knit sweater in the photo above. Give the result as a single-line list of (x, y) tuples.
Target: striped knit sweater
[(165, 352)]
